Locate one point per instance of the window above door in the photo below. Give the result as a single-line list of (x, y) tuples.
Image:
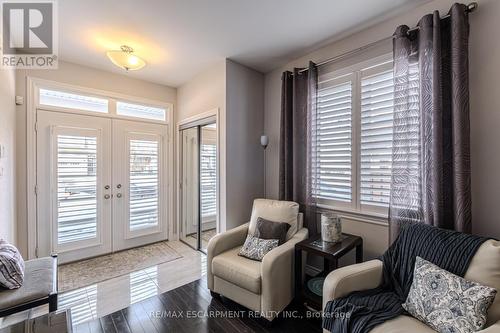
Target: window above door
[(61, 97)]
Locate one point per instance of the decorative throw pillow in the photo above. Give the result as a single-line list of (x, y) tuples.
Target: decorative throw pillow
[(266, 229), (256, 248), (447, 302), (11, 266)]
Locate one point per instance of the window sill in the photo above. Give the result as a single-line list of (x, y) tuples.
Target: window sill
[(372, 218)]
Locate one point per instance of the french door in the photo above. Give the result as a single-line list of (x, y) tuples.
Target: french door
[(100, 184)]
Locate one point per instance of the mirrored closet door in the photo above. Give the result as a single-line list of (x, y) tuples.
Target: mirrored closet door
[(198, 183)]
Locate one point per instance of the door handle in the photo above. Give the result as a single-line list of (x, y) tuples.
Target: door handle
[(106, 187), (118, 195), (107, 196), (119, 186)]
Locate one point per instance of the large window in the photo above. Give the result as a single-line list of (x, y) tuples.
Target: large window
[(353, 130)]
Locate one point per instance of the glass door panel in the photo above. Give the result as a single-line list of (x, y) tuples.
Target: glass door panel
[(73, 185), (139, 184), (208, 186), (189, 186), (144, 184), (198, 172), (76, 187)]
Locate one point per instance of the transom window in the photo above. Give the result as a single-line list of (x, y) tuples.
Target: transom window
[(86, 102), (353, 130), (72, 101)]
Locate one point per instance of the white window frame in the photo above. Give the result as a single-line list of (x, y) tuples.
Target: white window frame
[(33, 86), (355, 209)]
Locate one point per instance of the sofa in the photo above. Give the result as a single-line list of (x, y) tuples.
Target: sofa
[(484, 268), (265, 286)]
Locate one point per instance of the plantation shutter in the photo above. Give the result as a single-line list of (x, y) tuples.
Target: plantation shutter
[(332, 157), (377, 109), (76, 188), (208, 179)]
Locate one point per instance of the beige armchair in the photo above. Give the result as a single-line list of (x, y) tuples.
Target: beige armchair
[(484, 268), (267, 286)]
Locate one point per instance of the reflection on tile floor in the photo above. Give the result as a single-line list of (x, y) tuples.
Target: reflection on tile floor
[(106, 297), (205, 238)]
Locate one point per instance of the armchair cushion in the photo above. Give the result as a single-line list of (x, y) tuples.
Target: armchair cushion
[(485, 269), (402, 324), (271, 230), (221, 243), (447, 302), (274, 210), (256, 248), (241, 271)]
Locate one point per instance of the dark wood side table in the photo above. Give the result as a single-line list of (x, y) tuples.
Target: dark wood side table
[(331, 253)]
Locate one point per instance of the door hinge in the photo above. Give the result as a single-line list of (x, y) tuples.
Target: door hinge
[(36, 189), (36, 126), (36, 252)]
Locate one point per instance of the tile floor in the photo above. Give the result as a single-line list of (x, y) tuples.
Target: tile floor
[(106, 297)]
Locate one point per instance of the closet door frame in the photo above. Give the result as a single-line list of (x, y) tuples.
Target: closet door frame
[(197, 121)]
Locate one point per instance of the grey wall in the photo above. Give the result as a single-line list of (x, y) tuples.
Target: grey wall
[(238, 93), (485, 117), (81, 76), (244, 155), (7, 161)]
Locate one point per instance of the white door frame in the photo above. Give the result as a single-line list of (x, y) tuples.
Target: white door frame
[(32, 86), (220, 166)]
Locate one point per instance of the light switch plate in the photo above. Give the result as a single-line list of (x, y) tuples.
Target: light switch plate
[(19, 100)]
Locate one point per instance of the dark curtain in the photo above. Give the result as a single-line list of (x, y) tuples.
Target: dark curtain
[(298, 113), (431, 150)]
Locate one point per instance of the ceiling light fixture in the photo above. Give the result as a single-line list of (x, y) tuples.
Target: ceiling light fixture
[(126, 59)]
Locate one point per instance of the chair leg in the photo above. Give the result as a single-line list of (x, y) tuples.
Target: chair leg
[(52, 302)]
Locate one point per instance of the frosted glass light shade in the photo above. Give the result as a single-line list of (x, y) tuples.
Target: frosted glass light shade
[(264, 141), (126, 59)]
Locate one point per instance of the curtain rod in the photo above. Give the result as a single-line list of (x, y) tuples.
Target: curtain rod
[(470, 8)]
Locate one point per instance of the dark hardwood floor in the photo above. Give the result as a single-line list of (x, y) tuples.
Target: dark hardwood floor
[(179, 310)]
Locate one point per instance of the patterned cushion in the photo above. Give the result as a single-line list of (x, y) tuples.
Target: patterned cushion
[(11, 266), (256, 248), (447, 302)]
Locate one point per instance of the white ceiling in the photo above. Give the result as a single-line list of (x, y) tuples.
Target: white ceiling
[(180, 38)]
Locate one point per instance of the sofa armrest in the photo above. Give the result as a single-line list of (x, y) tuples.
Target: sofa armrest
[(495, 328), (221, 243), (277, 271), (343, 281)]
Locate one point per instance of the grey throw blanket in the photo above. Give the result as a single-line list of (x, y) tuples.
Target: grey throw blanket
[(361, 311)]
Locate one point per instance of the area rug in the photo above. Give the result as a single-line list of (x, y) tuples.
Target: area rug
[(91, 271)]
